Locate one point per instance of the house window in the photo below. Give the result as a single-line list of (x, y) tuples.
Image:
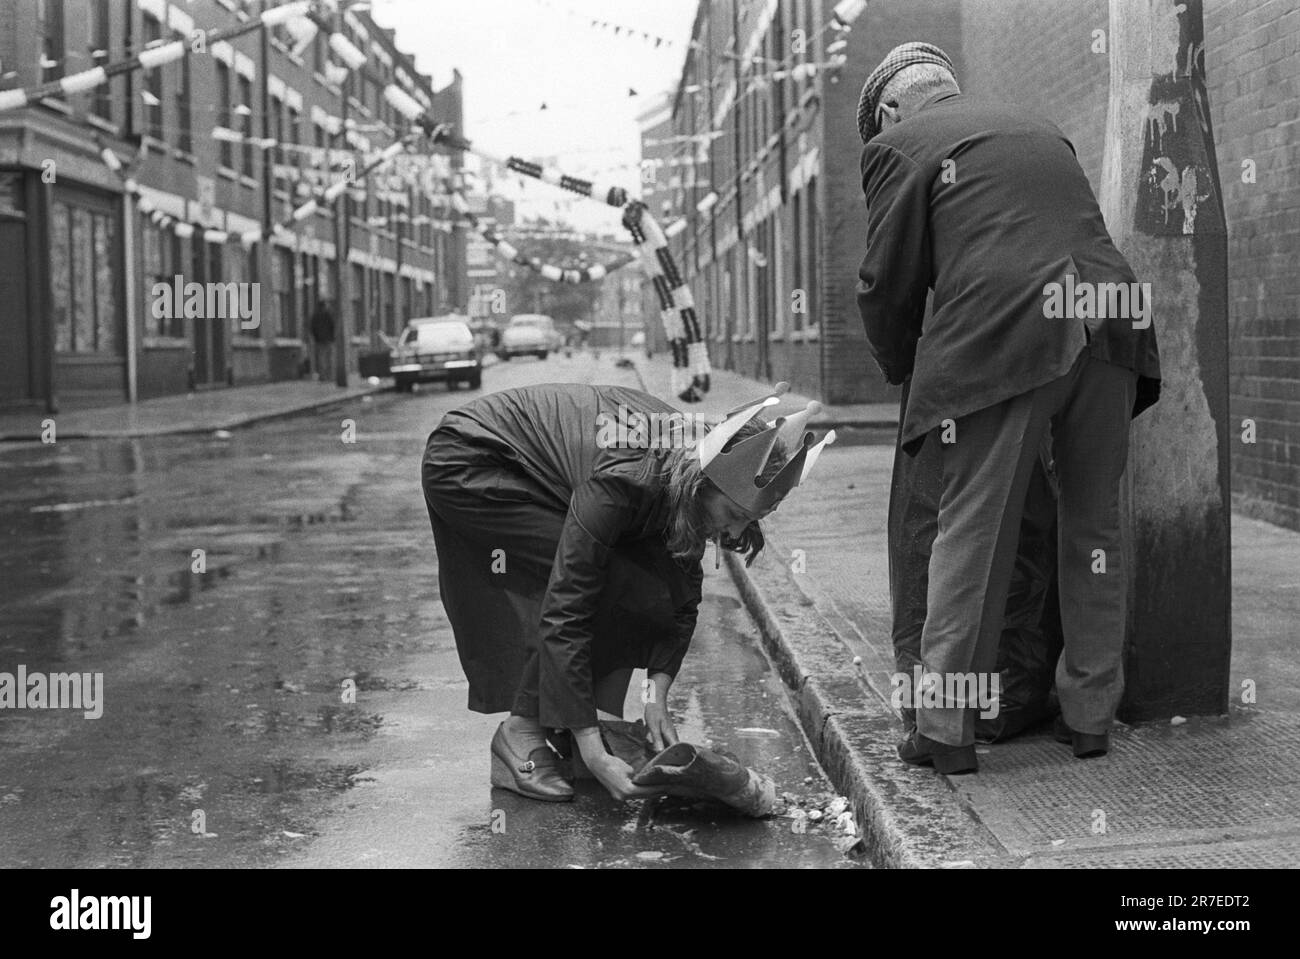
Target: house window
[(282, 285), (374, 294), (184, 132), (277, 129), (101, 101), (308, 283), (358, 298), (763, 273), (777, 45), (246, 124), (811, 245), (153, 82), (728, 295), (162, 257), (295, 135), (226, 150), (796, 220), (390, 326), (53, 49), (240, 267), (83, 247)]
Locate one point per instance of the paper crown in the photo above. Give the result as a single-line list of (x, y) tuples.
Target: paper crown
[(736, 472)]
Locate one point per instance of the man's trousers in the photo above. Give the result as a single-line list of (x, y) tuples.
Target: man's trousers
[(986, 470)]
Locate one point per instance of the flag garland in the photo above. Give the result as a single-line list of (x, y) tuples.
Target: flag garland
[(509, 251), (145, 206), (319, 200), (147, 59), (331, 193)]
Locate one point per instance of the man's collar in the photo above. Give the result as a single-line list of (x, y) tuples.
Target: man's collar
[(938, 98)]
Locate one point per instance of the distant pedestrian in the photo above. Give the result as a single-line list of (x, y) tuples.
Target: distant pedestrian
[(987, 205), (322, 335)]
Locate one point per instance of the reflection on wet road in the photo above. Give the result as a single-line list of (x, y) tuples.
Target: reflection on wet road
[(280, 683)]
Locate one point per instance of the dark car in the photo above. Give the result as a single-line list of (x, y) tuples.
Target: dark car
[(436, 348)]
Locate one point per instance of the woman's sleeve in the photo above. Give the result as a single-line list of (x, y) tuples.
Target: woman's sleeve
[(666, 656), (598, 513)]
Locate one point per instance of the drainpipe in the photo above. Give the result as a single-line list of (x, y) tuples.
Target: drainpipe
[(742, 270), (342, 245), (264, 249), (128, 258)]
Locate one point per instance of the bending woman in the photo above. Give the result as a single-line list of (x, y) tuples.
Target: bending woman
[(569, 541)]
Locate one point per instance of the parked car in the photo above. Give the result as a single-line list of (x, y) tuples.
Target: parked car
[(436, 348), (529, 334)]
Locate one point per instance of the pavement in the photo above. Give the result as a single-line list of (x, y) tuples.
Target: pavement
[(1210, 791), (187, 413)]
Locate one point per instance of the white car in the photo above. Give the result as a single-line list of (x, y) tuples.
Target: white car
[(436, 348), (529, 334)]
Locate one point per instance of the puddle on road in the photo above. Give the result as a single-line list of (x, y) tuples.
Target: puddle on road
[(230, 678)]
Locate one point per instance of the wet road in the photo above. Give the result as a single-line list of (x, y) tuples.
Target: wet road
[(228, 737)]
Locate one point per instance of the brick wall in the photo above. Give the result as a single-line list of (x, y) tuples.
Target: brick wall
[(1038, 52), (1253, 61), (849, 374)]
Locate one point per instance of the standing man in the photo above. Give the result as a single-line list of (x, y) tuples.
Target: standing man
[(322, 334), (987, 205)]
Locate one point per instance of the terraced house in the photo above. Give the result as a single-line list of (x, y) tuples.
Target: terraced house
[(221, 145)]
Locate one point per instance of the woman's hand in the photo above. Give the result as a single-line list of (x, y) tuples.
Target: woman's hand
[(616, 776), (660, 726), (654, 695), (610, 771)]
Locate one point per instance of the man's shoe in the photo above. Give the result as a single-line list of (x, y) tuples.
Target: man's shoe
[(1085, 745), (536, 775), (921, 750)]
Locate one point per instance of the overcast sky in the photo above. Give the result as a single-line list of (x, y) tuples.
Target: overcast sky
[(516, 55)]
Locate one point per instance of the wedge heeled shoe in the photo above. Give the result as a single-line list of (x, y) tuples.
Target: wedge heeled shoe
[(536, 776)]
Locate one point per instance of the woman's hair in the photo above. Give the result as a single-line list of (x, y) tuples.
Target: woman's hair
[(686, 484)]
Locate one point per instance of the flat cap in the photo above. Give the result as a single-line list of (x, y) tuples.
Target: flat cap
[(902, 56)]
